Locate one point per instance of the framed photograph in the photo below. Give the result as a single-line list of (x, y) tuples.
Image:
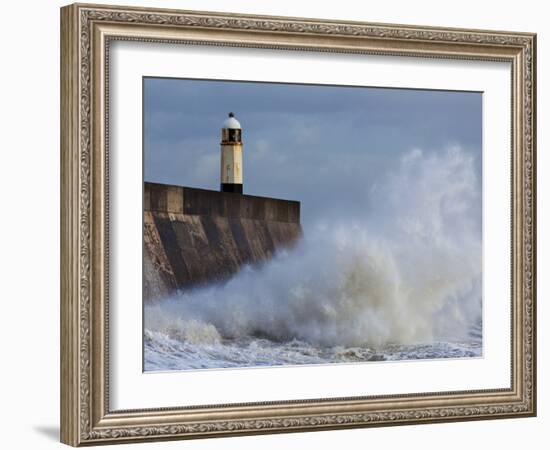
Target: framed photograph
[(276, 224)]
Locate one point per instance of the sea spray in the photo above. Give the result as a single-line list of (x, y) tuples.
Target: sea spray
[(407, 271)]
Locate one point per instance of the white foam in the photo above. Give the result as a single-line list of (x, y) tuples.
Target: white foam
[(407, 272)]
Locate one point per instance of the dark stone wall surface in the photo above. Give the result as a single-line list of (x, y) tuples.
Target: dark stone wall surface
[(196, 236)]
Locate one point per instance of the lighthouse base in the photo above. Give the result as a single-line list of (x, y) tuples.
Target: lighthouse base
[(231, 187)]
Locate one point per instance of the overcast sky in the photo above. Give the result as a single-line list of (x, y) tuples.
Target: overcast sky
[(321, 145)]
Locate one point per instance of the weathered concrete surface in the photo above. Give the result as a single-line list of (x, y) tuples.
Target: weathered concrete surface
[(195, 236)]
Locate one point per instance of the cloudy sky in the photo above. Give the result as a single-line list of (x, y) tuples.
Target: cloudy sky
[(323, 145)]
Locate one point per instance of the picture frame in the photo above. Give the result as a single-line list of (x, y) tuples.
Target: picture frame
[(87, 33)]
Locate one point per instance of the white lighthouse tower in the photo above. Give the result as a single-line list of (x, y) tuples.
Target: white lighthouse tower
[(231, 156)]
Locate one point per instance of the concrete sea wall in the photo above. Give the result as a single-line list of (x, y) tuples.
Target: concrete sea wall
[(195, 236)]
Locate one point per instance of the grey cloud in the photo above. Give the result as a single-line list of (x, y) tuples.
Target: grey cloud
[(321, 145)]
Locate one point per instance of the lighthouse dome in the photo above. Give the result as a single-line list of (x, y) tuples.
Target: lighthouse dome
[(231, 123)]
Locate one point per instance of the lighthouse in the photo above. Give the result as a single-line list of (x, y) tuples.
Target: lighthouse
[(231, 156)]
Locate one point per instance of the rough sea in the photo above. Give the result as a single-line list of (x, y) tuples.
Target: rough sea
[(401, 280), (163, 353)]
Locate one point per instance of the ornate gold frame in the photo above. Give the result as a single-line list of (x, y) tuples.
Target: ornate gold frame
[(86, 31)]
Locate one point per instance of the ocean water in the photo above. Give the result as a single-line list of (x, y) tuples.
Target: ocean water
[(162, 353), (399, 281)]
